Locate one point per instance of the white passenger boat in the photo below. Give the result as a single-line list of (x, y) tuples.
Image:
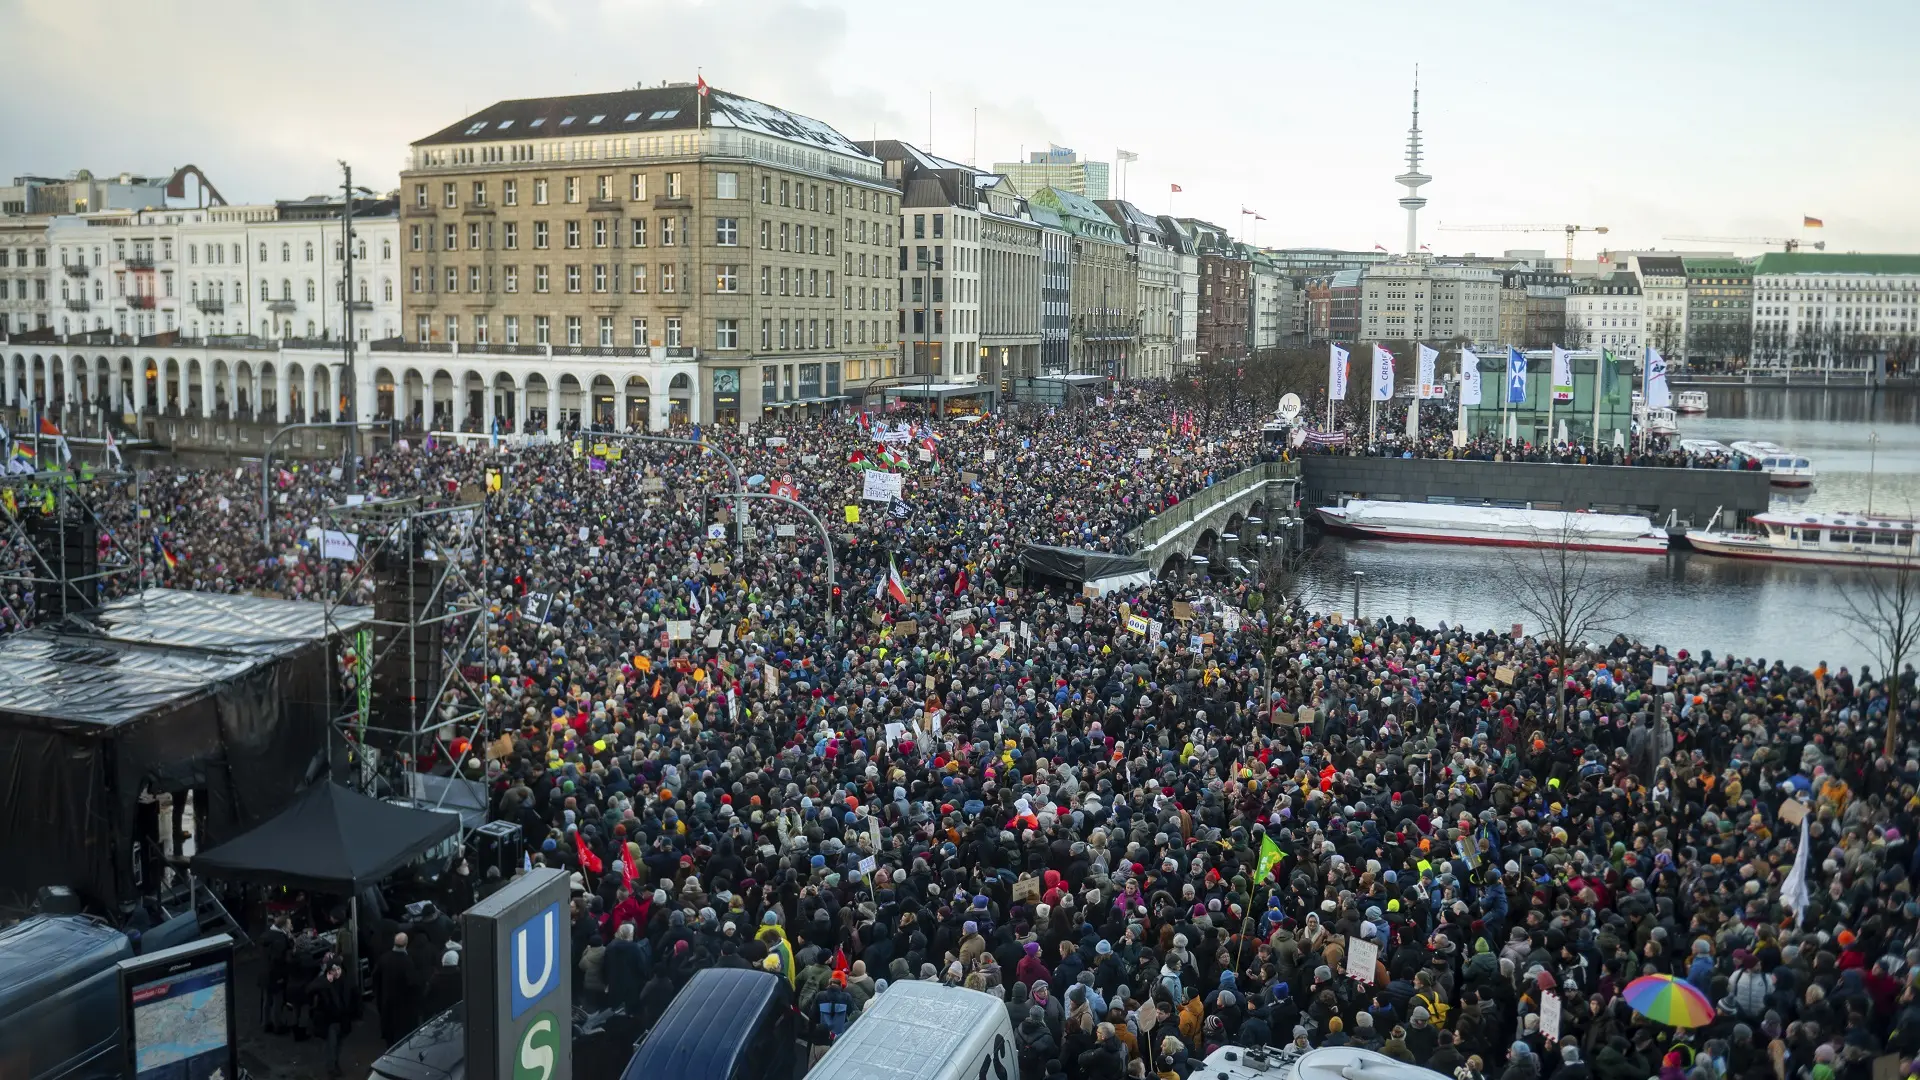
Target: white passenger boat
[(1783, 467), (1838, 538), (1706, 448), (1438, 523), (1690, 403), (1655, 421)]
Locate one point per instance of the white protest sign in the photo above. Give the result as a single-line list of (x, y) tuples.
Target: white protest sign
[(224, 504), (1362, 955), (784, 530), (339, 545), (1143, 453), (881, 487), (870, 863), (776, 440), (584, 533), (1550, 1016), (923, 454), (352, 500), (714, 532), (680, 629), (988, 456)]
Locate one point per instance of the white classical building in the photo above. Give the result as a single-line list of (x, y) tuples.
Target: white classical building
[(270, 271), (1833, 312), (1606, 313)]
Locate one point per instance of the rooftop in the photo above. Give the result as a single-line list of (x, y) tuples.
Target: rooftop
[(636, 111), (1820, 262)]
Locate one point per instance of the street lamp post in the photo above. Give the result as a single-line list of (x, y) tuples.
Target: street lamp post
[(266, 467), (1357, 575), (346, 323)]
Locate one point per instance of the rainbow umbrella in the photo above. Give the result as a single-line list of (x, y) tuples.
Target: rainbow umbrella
[(1670, 1001)]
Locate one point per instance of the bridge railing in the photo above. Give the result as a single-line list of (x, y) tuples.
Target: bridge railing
[(1146, 538)]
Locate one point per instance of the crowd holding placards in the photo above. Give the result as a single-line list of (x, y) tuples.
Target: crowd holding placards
[(1150, 840)]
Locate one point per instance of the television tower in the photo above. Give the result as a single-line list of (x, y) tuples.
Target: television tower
[(1413, 178)]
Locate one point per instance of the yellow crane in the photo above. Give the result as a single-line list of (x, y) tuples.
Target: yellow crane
[(1570, 230), (1786, 243)]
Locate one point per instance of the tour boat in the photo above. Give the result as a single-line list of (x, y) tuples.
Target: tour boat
[(1655, 421), (1690, 402), (1841, 538), (1440, 523), (1783, 467), (1706, 448)]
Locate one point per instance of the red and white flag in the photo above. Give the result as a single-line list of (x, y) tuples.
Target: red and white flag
[(1176, 187), (896, 587), (701, 85)]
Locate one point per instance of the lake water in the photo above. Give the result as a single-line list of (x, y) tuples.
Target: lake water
[(1863, 445)]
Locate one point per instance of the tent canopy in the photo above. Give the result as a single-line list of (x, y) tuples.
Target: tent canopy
[(330, 840), (1079, 564)]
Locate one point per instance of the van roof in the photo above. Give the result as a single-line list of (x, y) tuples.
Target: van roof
[(708, 1026), (915, 1031), (48, 953)]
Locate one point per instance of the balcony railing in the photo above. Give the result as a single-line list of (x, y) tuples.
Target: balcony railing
[(76, 269), (281, 305), (605, 206), (477, 208), (78, 304), (141, 301), (360, 305), (672, 202), (210, 307), (140, 262), (418, 211)]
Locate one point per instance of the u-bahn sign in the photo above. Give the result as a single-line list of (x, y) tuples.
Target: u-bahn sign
[(519, 993)]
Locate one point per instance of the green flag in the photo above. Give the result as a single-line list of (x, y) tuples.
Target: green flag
[(1609, 369), (1270, 856)]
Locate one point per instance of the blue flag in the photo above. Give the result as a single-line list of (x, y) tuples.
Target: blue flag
[(1516, 377)]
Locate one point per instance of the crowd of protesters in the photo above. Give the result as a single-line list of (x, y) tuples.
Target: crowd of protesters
[(1074, 802)]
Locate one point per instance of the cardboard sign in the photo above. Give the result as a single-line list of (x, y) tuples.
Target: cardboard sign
[(905, 628), (1182, 611), (969, 477), (680, 629), (1338, 619), (653, 484), (1504, 675), (1076, 612), (1792, 811), (499, 748), (1550, 1016), (1519, 631), (1362, 955), (881, 487), (1091, 592), (1026, 891), (1308, 714)]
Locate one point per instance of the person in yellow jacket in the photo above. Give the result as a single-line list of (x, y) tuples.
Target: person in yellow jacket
[(779, 949)]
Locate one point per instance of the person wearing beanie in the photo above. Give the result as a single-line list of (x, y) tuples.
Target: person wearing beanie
[(1336, 1032), (1522, 1064), (1396, 1045), (1571, 1065), (1363, 1034), (1446, 1055), (1422, 1038)]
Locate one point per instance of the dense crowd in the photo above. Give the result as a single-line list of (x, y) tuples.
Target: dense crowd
[(1075, 803)]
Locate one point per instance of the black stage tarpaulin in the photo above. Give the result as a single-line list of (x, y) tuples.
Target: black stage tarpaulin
[(161, 692), (330, 840), (1078, 564)]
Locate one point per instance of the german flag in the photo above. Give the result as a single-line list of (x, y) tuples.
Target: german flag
[(1811, 222)]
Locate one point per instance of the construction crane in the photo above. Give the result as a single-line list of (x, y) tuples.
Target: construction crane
[(1786, 243), (1570, 230)]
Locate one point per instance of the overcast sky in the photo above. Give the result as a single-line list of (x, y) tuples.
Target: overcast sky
[(1701, 117)]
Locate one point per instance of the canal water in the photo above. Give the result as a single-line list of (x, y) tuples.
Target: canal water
[(1863, 445)]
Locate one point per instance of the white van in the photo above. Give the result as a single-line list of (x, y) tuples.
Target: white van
[(925, 1031)]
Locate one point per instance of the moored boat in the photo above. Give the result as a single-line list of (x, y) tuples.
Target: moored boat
[(1783, 467), (1690, 402), (1499, 526), (1837, 538)]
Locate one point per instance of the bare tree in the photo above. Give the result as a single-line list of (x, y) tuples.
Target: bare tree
[(1557, 586), (1881, 612)]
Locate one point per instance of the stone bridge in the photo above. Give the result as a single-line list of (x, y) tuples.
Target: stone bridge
[(1264, 494)]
